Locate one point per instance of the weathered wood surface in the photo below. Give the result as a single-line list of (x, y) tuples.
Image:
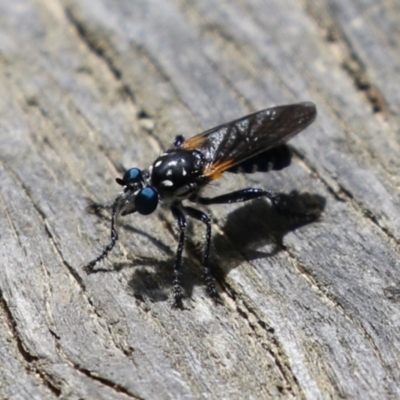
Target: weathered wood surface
[(89, 88)]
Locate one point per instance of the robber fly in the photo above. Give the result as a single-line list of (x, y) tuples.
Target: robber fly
[(252, 143)]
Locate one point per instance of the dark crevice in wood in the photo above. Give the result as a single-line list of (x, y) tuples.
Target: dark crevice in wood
[(276, 351), (313, 171), (331, 300), (109, 383), (368, 214), (42, 216), (96, 48), (32, 362), (344, 195), (100, 52), (9, 216), (70, 268), (103, 381), (316, 286), (350, 62), (244, 310), (12, 326), (375, 349), (356, 70), (327, 297)]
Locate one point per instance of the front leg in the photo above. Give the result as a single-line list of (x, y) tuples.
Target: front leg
[(181, 220), (89, 268)]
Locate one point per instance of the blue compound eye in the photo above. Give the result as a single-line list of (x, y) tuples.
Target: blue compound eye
[(146, 201), (131, 176)]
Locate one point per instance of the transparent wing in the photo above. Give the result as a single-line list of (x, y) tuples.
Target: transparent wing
[(234, 142)]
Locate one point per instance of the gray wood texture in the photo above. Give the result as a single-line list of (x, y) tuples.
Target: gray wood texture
[(91, 87)]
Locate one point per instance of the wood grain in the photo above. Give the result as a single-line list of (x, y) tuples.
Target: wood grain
[(90, 88)]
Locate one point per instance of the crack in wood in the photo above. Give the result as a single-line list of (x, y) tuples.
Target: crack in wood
[(345, 195), (276, 351), (106, 382), (71, 269), (350, 62), (33, 362), (100, 52)]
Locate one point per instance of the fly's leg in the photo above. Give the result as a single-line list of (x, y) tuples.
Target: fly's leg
[(181, 220), (89, 268), (240, 196), (282, 202), (208, 278)]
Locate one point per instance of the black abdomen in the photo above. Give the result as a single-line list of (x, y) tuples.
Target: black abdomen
[(275, 159)]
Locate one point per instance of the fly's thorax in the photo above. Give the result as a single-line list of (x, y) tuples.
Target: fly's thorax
[(177, 173)]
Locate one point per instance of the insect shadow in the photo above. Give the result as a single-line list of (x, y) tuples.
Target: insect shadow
[(246, 229), (257, 225)]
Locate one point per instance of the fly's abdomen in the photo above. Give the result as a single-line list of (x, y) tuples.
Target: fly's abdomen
[(273, 159)]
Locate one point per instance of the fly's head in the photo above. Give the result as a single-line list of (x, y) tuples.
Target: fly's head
[(138, 195)]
